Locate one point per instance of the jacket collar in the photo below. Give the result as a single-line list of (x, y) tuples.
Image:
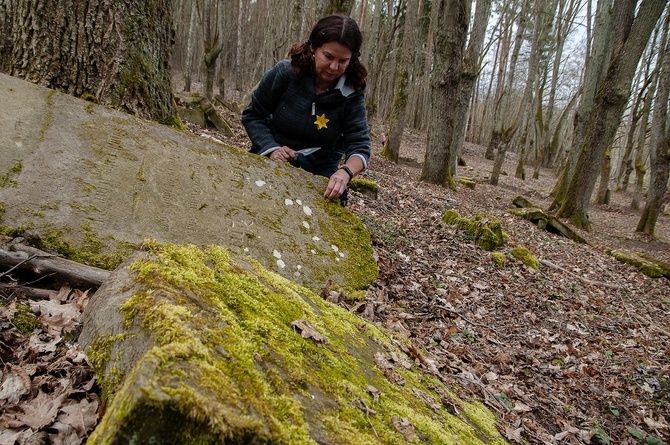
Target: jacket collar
[(344, 88)]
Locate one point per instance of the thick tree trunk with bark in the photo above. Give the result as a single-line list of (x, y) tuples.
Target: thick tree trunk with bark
[(117, 53), (461, 68), (630, 36), (449, 43)]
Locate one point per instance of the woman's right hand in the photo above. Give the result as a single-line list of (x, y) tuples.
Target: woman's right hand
[(284, 154)]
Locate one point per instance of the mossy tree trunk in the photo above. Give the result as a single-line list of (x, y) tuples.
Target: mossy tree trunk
[(629, 35), (117, 53), (660, 142)]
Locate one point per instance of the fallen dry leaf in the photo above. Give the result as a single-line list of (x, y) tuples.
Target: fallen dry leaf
[(307, 331), (42, 410), (16, 384), (404, 427), (81, 416)]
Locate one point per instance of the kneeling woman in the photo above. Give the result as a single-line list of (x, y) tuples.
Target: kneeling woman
[(309, 110)]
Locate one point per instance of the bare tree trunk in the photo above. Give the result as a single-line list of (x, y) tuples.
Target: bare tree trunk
[(212, 43), (565, 19), (190, 50), (391, 148), (639, 117), (118, 53), (507, 120), (451, 31), (503, 51), (602, 194), (660, 142), (630, 36), (543, 14)]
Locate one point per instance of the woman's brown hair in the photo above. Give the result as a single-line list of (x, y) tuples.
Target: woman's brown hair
[(332, 28)]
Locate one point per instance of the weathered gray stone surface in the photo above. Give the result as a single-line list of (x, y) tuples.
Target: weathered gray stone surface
[(76, 171)]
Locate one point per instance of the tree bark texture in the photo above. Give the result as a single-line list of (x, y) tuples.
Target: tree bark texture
[(660, 142), (451, 31), (391, 148), (117, 53), (630, 36)]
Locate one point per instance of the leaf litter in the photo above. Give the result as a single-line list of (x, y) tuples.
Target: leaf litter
[(575, 352)]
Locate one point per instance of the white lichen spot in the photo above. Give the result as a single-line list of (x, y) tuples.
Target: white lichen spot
[(260, 183), (341, 254), (313, 251), (337, 259), (296, 274), (305, 224), (246, 250), (316, 238), (276, 254), (298, 201), (298, 267), (334, 247), (307, 210), (281, 264), (288, 202)]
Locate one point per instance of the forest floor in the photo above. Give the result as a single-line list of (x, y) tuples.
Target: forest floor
[(575, 352)]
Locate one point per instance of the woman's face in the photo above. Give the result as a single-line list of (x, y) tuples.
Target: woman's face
[(330, 61)]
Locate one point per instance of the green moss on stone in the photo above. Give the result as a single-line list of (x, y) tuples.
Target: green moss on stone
[(525, 256), (94, 251), (358, 266), (6, 179), (498, 258), (450, 217), (364, 186), (647, 267), (255, 375), (485, 230)]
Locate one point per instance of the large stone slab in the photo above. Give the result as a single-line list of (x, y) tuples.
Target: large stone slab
[(94, 182), (200, 346)]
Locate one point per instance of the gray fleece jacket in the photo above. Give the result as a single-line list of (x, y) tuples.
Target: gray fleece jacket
[(286, 110)]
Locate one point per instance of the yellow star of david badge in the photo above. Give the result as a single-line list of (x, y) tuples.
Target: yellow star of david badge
[(321, 122)]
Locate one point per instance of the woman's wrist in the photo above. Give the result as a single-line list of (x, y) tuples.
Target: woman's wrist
[(348, 171)]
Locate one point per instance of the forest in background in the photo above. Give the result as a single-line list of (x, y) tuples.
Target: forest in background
[(534, 77)]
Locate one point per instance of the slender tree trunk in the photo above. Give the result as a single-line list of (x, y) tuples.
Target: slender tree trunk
[(190, 48), (543, 13), (507, 120), (602, 195), (391, 149), (116, 52), (660, 142), (212, 43)]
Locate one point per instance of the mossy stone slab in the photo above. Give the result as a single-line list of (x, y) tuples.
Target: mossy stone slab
[(202, 346), (83, 176)]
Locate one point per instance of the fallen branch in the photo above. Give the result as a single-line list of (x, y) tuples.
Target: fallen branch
[(42, 263), (32, 293), (582, 279)]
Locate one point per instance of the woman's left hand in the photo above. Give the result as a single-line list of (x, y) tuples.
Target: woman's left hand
[(337, 184)]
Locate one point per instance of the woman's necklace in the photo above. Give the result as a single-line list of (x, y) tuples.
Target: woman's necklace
[(320, 89)]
